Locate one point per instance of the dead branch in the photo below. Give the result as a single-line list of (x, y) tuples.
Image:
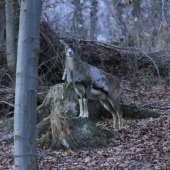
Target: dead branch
[(10, 104), (150, 106)]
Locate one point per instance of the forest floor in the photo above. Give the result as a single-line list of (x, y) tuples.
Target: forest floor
[(146, 145)]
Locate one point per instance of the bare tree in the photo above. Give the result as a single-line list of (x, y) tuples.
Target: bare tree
[(12, 23), (25, 117)]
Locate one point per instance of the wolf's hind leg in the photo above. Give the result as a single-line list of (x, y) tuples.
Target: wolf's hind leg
[(109, 107)]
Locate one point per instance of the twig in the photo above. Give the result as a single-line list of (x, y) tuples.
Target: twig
[(158, 52), (125, 48), (152, 62), (10, 77), (7, 103), (127, 89), (1, 154), (49, 41), (46, 61), (2, 135)]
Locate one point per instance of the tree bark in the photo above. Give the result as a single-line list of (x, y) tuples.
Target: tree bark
[(25, 117), (77, 133), (132, 111), (2, 24), (12, 24), (93, 32)]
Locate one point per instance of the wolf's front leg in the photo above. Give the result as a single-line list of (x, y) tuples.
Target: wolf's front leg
[(64, 74), (80, 97), (81, 107), (86, 113)]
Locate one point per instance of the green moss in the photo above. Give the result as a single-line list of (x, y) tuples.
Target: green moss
[(127, 108), (145, 79), (43, 127), (96, 132), (69, 92), (44, 140)]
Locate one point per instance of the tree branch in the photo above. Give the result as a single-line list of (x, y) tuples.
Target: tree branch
[(148, 105), (10, 104)]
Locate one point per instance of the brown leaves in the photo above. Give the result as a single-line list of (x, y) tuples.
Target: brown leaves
[(142, 93), (145, 146)]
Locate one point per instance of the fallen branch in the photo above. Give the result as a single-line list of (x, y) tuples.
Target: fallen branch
[(10, 104), (155, 107), (29, 154), (148, 105)]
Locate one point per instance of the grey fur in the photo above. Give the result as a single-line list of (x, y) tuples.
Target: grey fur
[(93, 83)]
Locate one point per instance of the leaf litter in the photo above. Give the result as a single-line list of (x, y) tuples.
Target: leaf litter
[(145, 146)]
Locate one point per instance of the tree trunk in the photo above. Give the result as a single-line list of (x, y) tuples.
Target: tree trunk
[(12, 24), (93, 32), (61, 106), (132, 111), (76, 133), (2, 25), (78, 21), (25, 117)]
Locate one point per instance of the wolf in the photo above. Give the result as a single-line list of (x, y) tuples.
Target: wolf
[(90, 82)]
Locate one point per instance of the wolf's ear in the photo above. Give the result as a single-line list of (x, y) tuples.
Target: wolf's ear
[(62, 41)]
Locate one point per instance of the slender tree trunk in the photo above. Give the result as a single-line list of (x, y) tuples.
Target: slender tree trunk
[(12, 23), (136, 13), (25, 118), (2, 24), (78, 22), (93, 32)]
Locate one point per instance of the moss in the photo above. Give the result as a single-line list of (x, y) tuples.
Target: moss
[(43, 127), (69, 92), (44, 140), (96, 132), (136, 112)]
